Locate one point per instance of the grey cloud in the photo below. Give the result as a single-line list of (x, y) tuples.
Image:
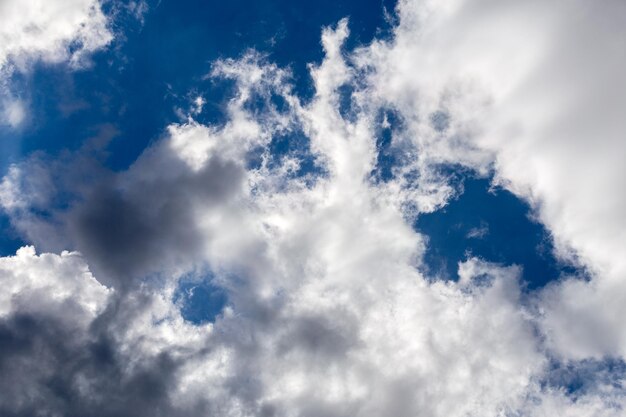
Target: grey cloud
[(134, 231), (47, 369), (127, 224), (326, 338), (137, 230)]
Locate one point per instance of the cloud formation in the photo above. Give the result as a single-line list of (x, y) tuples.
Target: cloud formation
[(539, 88), (327, 312), (52, 32)]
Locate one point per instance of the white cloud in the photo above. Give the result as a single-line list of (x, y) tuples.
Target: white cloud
[(50, 31), (478, 232), (536, 89), (14, 112), (53, 31), (58, 286)]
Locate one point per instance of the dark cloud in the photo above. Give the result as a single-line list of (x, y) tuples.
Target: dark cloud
[(47, 369), (129, 232), (126, 225)]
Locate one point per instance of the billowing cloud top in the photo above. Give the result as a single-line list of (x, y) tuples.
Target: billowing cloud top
[(327, 309)]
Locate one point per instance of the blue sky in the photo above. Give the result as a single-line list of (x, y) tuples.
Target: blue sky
[(330, 208), (123, 78)]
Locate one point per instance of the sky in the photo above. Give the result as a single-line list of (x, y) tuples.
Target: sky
[(312, 209)]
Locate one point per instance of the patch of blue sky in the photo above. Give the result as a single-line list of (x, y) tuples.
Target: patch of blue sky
[(293, 144), (577, 378), (494, 225), (388, 122), (10, 240), (137, 83), (200, 302)]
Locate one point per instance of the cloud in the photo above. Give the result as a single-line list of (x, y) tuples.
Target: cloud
[(478, 232), (13, 112), (30, 282), (47, 303), (52, 32), (547, 117), (326, 312)]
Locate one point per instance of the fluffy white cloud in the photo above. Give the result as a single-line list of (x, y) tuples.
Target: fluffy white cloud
[(56, 285), (51, 31), (537, 90)]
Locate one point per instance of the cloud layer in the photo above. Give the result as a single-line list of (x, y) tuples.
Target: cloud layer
[(327, 313)]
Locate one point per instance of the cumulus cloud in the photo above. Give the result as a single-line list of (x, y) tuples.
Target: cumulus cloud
[(327, 313), (30, 282), (538, 89), (47, 302)]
